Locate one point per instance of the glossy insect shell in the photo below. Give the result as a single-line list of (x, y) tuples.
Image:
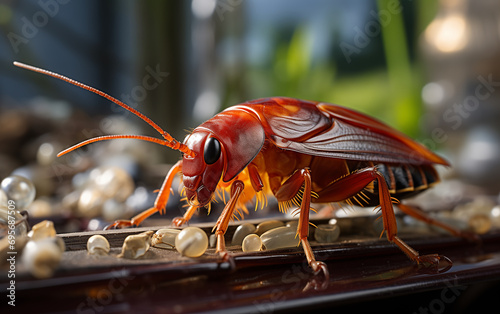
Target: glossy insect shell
[(241, 136), (306, 127)]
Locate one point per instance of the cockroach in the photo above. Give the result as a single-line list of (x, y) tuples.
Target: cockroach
[(299, 151)]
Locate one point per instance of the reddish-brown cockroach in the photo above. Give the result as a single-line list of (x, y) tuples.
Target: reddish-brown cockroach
[(300, 152)]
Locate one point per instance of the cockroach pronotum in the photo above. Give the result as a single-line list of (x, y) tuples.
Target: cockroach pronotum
[(300, 152)]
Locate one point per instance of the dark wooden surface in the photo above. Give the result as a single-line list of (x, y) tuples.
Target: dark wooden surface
[(364, 271)]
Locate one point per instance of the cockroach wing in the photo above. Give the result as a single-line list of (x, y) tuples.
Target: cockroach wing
[(241, 135), (382, 140), (339, 132), (291, 119)]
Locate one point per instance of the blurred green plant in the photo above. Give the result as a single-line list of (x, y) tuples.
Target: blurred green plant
[(391, 93)]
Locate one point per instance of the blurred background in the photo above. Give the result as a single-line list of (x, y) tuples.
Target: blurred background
[(427, 68)]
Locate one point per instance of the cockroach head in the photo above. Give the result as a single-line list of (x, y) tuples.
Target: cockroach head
[(223, 147), (201, 174)]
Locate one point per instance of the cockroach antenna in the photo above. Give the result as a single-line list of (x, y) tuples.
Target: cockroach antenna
[(168, 140)]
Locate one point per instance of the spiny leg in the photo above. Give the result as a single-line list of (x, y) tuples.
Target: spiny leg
[(159, 205), (352, 184), (420, 215), (223, 221), (179, 221), (288, 191), (391, 226)]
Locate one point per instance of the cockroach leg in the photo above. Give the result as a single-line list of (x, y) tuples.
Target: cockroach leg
[(180, 221), (351, 184), (420, 215), (291, 186), (316, 266), (255, 178), (287, 190), (226, 215), (390, 225), (159, 205), (134, 222)]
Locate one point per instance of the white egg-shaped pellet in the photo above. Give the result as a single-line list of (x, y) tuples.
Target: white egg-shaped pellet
[(90, 202), (136, 245), (241, 232), (252, 243), (281, 237), (98, 245), (327, 233), (165, 238), (42, 230), (191, 242), (20, 190), (42, 257), (268, 225), (115, 183)]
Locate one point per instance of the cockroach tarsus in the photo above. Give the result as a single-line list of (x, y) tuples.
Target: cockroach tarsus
[(301, 152)]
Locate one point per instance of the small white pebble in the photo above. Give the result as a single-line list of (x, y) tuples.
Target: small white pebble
[(98, 245), (136, 245), (42, 230), (42, 257)]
